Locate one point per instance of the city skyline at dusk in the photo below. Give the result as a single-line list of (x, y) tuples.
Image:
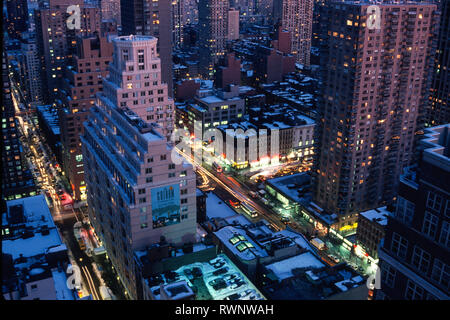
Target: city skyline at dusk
[(225, 150)]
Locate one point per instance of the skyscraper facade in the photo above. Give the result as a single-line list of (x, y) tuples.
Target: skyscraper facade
[(135, 81), (213, 33), (136, 194), (82, 81), (233, 24), (374, 83), (415, 255), (296, 17), (438, 111), (177, 22), (151, 18), (17, 17), (17, 180), (110, 10), (56, 42), (29, 68)]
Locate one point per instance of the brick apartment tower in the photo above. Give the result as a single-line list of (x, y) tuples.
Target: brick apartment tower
[(56, 43), (110, 10), (233, 24), (374, 83), (83, 80), (297, 18), (151, 18), (178, 7), (136, 194), (213, 33)]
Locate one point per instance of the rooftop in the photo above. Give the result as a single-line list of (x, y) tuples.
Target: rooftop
[(38, 233), (216, 279), (292, 186), (378, 215), (283, 269), (436, 144)]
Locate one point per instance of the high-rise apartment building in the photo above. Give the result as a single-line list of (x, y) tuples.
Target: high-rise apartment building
[(438, 111), (136, 193), (29, 68), (17, 180), (110, 10), (415, 255), (151, 18), (135, 81), (190, 12), (233, 24), (213, 33), (17, 17), (177, 22), (374, 84), (82, 81), (296, 17), (56, 42)]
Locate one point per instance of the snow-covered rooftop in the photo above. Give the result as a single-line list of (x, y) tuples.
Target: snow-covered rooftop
[(37, 214), (216, 208), (283, 269), (239, 243), (378, 215)]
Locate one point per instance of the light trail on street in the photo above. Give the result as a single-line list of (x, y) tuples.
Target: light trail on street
[(236, 194)]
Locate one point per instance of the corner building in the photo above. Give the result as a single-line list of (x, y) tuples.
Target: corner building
[(374, 84), (135, 193)]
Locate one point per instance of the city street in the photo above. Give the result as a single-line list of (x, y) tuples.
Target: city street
[(47, 174)]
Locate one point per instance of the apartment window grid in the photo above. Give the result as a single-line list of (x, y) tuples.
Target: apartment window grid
[(388, 275), (421, 259), (444, 236), (413, 291), (434, 201), (440, 273), (405, 210), (429, 226), (399, 245)]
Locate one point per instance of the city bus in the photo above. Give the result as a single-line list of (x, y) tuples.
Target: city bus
[(248, 209)]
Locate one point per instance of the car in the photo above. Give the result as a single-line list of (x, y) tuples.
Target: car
[(234, 296), (218, 264), (247, 293), (214, 261), (237, 285), (235, 204), (285, 220), (236, 280), (220, 271), (334, 258), (230, 277)]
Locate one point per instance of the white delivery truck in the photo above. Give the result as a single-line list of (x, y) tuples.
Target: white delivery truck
[(319, 244)]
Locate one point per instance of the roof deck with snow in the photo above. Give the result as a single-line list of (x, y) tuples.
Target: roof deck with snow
[(32, 230), (377, 215), (215, 279)]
